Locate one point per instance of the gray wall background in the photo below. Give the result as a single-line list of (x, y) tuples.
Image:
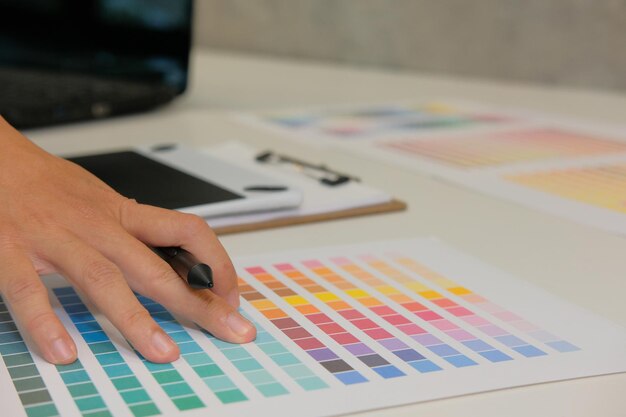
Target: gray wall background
[(579, 43)]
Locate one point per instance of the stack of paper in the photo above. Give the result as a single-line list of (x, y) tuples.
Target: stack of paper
[(320, 202), (566, 167)]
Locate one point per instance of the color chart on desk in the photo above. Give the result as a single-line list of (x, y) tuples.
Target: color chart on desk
[(506, 147), (340, 330), (588, 192), (600, 186), (374, 121), (570, 173)]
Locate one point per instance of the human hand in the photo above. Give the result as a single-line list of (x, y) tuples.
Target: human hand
[(57, 217)]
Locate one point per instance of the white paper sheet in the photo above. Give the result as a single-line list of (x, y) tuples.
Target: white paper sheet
[(368, 123), (317, 197), (341, 329), (569, 168)]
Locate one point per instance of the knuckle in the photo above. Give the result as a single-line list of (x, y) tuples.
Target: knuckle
[(42, 321), (87, 211), (193, 225), (100, 274), (20, 290), (125, 206), (134, 318), (210, 302), (165, 275), (9, 240), (6, 237), (225, 270)]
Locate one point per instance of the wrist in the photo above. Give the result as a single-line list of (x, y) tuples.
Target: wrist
[(12, 143)]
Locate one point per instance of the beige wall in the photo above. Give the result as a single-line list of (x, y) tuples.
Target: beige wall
[(571, 42)]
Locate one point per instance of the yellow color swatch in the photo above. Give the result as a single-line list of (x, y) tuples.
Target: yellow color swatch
[(600, 186)]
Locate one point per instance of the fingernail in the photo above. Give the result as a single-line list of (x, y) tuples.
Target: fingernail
[(61, 351), (238, 324), (233, 298), (162, 343)]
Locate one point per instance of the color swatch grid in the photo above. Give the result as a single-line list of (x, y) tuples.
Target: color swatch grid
[(263, 380), (301, 337), (83, 391), (339, 334), (486, 305), (600, 186), (206, 368), (418, 333), (169, 379), (500, 148), (287, 361), (406, 320), (412, 320), (375, 121), (358, 319), (23, 372), (203, 365), (428, 315), (445, 305), (107, 355)]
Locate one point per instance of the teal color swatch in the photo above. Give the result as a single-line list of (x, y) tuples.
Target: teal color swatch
[(278, 353), (202, 364), (27, 381), (133, 393)]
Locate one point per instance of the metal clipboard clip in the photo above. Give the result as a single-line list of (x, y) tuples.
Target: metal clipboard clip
[(320, 172)]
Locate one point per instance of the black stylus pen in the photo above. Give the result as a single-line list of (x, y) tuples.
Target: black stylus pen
[(197, 274)]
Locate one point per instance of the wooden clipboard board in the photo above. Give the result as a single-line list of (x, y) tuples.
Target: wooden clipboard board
[(391, 206)]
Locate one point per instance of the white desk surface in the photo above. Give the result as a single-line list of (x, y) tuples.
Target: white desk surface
[(578, 263)]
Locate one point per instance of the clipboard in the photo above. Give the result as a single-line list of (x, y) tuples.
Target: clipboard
[(389, 207), (327, 194)]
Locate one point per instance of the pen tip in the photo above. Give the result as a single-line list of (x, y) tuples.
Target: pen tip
[(200, 277)]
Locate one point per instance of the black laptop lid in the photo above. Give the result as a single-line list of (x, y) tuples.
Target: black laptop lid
[(143, 40)]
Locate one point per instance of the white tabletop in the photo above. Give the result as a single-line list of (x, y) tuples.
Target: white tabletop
[(553, 253)]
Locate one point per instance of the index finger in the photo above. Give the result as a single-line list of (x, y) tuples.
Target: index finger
[(160, 227), (105, 286)]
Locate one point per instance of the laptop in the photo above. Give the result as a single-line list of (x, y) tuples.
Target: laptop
[(69, 60)]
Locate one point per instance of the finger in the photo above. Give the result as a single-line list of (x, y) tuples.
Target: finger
[(105, 286), (208, 310), (24, 291), (159, 227), (149, 275)]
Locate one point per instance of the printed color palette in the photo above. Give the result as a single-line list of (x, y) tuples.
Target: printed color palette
[(324, 355), (603, 186), (377, 121), (202, 364), (23, 372), (83, 391), (490, 307), (337, 332), (129, 387), (288, 362), (437, 327), (358, 319), (340, 330), (428, 295), (501, 148)]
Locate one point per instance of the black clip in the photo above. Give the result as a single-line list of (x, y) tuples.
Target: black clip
[(319, 172), (164, 147)]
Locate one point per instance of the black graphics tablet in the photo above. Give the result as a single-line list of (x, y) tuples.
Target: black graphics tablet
[(188, 180)]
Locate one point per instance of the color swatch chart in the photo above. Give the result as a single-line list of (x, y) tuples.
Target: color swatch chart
[(506, 147), (334, 325), (375, 121), (22, 371), (563, 170), (601, 186)]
